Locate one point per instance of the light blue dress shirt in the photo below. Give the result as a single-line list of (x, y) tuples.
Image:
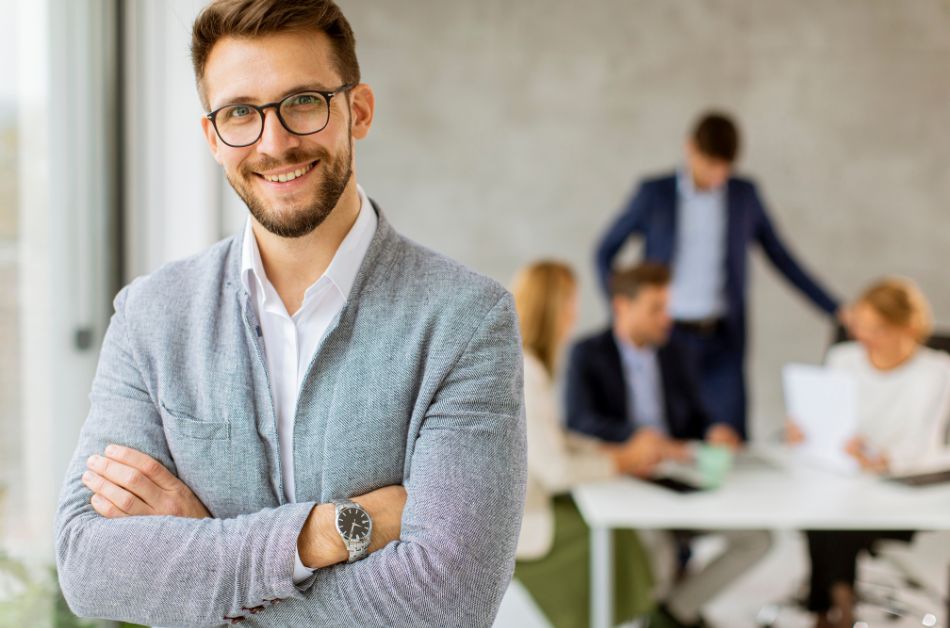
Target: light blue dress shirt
[(641, 371), (698, 288)]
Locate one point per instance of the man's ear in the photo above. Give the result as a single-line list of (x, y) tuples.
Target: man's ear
[(362, 107), (616, 306), (211, 136), (689, 147)]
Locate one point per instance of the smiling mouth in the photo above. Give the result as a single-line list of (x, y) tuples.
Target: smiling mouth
[(284, 177)]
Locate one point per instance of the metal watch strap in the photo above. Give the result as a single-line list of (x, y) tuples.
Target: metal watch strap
[(357, 550)]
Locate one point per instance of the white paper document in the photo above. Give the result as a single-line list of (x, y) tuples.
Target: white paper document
[(823, 403)]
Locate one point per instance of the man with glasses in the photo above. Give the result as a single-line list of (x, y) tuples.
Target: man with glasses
[(316, 412)]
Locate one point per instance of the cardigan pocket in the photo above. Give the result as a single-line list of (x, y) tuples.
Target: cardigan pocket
[(203, 452), (191, 427)]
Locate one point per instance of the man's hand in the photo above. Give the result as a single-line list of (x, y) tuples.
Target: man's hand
[(127, 482), (845, 316), (319, 543), (641, 453), (677, 450), (724, 436)]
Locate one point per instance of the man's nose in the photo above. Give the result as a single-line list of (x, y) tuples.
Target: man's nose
[(275, 139)]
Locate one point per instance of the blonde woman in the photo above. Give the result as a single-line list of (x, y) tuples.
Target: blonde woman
[(903, 412), (553, 552)]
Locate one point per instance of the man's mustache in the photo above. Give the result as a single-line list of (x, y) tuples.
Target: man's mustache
[(291, 158)]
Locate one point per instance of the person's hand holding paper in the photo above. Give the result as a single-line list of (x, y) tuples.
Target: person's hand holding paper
[(822, 406)]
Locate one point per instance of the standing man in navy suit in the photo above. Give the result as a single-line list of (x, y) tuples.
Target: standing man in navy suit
[(701, 221)]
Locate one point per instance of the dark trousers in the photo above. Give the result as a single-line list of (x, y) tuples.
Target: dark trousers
[(714, 359), (834, 560)]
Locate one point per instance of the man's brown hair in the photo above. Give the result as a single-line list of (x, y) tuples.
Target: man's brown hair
[(716, 135), (256, 18), (627, 282)]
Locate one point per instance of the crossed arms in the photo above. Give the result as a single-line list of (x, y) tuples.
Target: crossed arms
[(450, 566)]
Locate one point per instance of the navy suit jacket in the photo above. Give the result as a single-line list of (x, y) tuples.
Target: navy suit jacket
[(651, 214), (597, 393)]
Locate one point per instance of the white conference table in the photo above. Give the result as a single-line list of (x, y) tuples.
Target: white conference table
[(768, 488)]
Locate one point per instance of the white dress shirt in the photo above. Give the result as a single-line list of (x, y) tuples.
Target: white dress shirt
[(290, 342), (641, 370)]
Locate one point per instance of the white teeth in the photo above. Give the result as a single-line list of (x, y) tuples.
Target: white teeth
[(289, 176)]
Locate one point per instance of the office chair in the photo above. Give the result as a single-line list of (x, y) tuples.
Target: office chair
[(896, 568)]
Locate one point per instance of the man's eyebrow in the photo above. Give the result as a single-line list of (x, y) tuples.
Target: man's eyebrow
[(248, 100)]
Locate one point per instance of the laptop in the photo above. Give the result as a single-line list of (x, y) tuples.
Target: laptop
[(926, 478), (936, 470)]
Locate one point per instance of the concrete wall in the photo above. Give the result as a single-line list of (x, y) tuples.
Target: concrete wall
[(508, 130)]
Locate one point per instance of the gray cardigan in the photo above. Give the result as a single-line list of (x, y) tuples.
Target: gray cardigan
[(417, 382)]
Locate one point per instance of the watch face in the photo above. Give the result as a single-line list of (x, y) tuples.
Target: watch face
[(352, 523)]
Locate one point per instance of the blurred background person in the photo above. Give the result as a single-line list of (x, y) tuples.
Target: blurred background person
[(701, 221), (628, 381), (629, 384), (553, 550), (903, 397)]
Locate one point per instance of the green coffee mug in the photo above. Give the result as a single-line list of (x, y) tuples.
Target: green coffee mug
[(714, 463)]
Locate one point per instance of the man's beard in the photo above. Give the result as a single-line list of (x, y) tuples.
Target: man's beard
[(298, 220)]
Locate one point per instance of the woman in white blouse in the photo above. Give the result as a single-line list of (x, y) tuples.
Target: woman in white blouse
[(553, 552), (903, 412)]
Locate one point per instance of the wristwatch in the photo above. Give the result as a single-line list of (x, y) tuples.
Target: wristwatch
[(355, 527)]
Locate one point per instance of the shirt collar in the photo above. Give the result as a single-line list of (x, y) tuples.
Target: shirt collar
[(633, 353), (343, 267), (687, 188)]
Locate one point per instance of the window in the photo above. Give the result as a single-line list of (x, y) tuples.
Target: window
[(10, 460)]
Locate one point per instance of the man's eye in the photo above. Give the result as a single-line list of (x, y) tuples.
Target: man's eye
[(237, 112), (304, 100)]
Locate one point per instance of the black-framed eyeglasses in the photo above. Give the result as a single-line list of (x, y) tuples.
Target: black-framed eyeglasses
[(303, 113)]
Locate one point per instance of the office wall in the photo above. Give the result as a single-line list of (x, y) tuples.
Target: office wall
[(507, 130), (172, 192)]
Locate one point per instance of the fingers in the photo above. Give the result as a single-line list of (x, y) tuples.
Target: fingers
[(845, 317), (125, 477), (644, 470), (642, 461), (855, 447), (125, 472), (110, 500), (722, 434), (882, 464), (154, 470), (106, 508), (793, 433), (678, 451)]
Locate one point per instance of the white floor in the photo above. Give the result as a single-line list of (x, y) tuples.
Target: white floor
[(780, 576), (783, 572)]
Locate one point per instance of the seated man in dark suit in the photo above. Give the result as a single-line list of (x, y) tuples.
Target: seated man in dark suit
[(628, 382), (633, 356)]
